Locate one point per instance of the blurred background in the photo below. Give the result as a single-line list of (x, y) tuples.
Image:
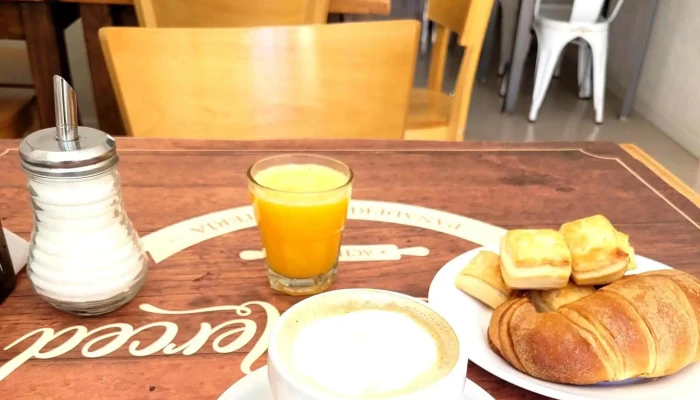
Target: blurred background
[(665, 119)]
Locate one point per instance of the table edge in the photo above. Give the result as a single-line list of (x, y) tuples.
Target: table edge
[(377, 7), (672, 191), (662, 172)]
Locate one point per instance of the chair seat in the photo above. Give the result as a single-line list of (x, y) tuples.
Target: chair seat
[(428, 109), (428, 115), (16, 112)]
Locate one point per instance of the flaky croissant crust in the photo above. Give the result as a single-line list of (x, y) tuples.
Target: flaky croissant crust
[(640, 326)]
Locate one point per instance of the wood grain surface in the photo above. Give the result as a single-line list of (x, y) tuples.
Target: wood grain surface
[(167, 181), (11, 22), (339, 61), (48, 55), (96, 17), (46, 46), (378, 7), (228, 14)]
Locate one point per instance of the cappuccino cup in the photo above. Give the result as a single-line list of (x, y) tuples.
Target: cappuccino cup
[(364, 344)]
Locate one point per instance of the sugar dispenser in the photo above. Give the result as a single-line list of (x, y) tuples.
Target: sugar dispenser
[(85, 256)]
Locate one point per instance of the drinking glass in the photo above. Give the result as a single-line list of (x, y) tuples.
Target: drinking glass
[(300, 203)]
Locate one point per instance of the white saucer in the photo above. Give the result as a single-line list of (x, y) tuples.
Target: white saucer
[(255, 387), (470, 319)]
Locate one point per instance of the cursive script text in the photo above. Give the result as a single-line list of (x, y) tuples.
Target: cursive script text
[(101, 343)]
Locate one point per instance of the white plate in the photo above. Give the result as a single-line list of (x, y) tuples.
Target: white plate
[(470, 319), (255, 387)]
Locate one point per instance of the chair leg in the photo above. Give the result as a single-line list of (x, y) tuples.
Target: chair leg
[(547, 56), (504, 83), (557, 69), (584, 71), (506, 75), (502, 66), (425, 29), (489, 44), (599, 49), (509, 21)]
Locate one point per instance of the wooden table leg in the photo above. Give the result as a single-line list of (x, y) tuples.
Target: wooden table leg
[(96, 16), (47, 54)]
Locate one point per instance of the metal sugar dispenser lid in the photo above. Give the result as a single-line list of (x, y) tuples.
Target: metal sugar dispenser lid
[(68, 150)]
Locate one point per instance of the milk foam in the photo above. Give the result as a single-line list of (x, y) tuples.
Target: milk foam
[(365, 352)]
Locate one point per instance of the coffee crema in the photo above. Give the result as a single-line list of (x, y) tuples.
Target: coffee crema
[(372, 345)]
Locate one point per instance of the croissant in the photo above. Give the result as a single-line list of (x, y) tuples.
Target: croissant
[(639, 326)]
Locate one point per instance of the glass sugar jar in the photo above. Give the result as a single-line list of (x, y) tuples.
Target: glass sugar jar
[(85, 256)]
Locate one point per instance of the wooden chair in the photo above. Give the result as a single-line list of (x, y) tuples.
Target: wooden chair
[(18, 109), (17, 112), (314, 81), (229, 13), (433, 114)]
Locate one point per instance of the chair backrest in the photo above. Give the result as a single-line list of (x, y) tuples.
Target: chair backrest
[(315, 81), (17, 112), (586, 11), (229, 13), (469, 20)]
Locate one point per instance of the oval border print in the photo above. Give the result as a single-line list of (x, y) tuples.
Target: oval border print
[(177, 237)]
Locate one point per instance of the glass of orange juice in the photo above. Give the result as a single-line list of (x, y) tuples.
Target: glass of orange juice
[(301, 204)]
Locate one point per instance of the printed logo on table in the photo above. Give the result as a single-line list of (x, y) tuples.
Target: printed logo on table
[(104, 340)]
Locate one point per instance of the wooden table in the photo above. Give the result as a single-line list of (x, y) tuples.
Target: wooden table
[(167, 181), (41, 24)]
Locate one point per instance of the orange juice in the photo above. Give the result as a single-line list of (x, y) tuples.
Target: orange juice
[(301, 211)]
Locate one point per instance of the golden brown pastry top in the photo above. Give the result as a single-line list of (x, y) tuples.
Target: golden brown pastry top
[(486, 266), (623, 240), (536, 247), (592, 242), (550, 300)]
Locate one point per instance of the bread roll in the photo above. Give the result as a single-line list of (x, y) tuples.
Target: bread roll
[(550, 300), (482, 279), (535, 259), (597, 257), (623, 240), (640, 326)]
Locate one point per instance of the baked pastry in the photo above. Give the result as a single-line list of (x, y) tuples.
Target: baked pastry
[(535, 259), (640, 326), (550, 300), (597, 257), (623, 240), (482, 279)]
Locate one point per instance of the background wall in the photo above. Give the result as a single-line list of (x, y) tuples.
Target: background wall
[(669, 90)]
